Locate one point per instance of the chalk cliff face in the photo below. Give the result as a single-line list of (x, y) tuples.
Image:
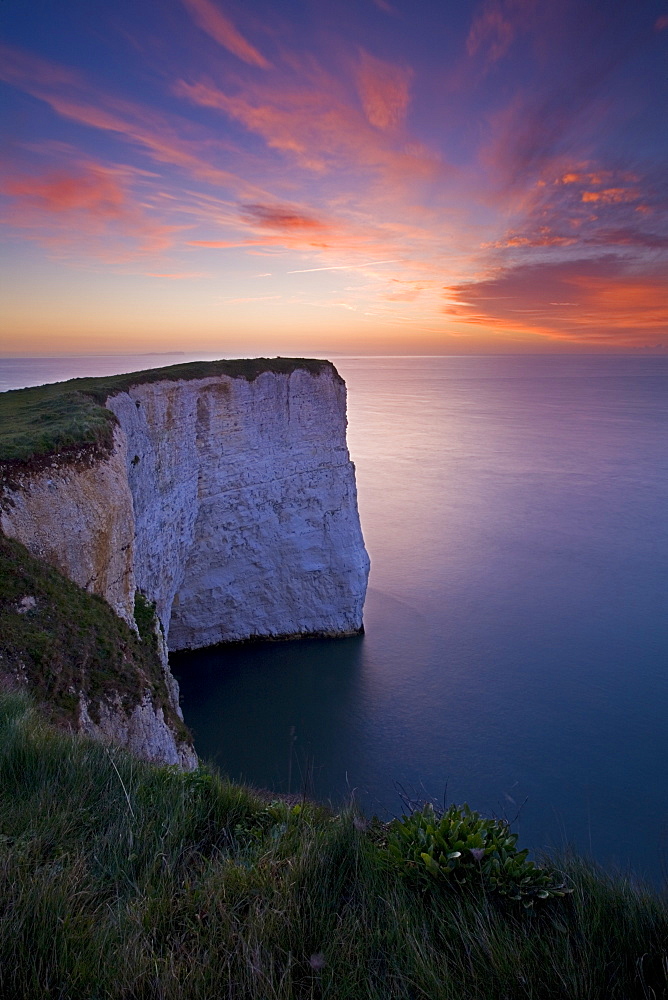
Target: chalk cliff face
[(78, 517), (227, 501)]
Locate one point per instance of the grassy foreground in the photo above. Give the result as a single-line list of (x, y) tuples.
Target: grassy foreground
[(64, 417), (123, 880)]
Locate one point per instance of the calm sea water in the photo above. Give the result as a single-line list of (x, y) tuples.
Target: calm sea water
[(516, 646)]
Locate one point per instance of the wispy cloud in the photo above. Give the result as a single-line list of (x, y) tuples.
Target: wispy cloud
[(171, 141), (386, 7), (308, 117), (178, 276), (343, 267), (211, 20), (384, 91), (324, 152), (254, 298), (491, 33), (280, 217), (88, 201)]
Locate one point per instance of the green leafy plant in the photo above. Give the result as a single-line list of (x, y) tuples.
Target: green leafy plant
[(271, 822), (466, 848)]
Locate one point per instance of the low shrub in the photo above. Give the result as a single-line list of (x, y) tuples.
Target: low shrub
[(467, 849)]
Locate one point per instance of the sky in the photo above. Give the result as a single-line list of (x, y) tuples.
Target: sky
[(334, 176)]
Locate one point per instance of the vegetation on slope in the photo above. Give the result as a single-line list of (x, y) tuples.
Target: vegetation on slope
[(64, 417), (123, 880), (60, 641)]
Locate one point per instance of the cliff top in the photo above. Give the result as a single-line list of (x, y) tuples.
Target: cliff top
[(65, 417)]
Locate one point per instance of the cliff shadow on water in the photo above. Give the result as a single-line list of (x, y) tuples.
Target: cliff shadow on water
[(275, 714), (341, 711)]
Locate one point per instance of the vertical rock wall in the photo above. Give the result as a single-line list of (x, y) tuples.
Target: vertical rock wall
[(245, 506)]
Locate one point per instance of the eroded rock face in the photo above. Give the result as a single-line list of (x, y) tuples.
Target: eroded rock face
[(79, 518), (142, 730), (230, 503), (245, 507)]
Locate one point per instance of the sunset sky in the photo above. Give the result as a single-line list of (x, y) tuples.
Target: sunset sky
[(334, 176)]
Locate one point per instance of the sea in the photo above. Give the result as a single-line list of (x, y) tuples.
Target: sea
[(515, 653)]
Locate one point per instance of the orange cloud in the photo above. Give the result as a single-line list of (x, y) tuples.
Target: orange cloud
[(597, 301), (633, 302), (384, 90), (221, 29), (611, 196), (596, 178), (558, 212), (538, 240)]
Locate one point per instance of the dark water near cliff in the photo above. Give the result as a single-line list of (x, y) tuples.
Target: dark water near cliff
[(516, 641)]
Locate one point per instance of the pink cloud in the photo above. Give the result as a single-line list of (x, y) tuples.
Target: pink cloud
[(175, 141), (307, 115), (17, 66), (281, 217), (220, 28), (491, 33), (225, 244), (84, 203), (386, 7), (314, 123), (369, 177), (384, 90)]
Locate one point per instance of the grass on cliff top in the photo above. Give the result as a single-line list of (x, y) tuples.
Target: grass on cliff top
[(59, 640), (120, 880), (64, 416)]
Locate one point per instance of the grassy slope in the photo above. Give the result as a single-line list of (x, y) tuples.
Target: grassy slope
[(64, 416), (72, 641), (122, 880)]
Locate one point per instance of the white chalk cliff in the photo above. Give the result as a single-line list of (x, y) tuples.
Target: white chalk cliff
[(228, 501)]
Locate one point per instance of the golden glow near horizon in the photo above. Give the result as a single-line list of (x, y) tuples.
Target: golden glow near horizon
[(365, 178)]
